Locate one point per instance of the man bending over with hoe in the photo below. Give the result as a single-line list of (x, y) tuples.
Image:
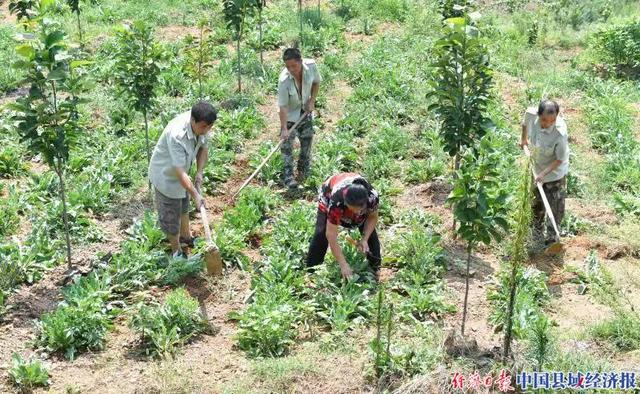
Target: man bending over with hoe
[(184, 139), (346, 200), (546, 133), (298, 88)]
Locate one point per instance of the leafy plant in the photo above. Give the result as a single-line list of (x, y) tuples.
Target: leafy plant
[(621, 330), (11, 162), (76, 326), (28, 375), (48, 118), (164, 327), (23, 9), (381, 344), (479, 203), (461, 86), (9, 206), (137, 69), (455, 8), (540, 343)]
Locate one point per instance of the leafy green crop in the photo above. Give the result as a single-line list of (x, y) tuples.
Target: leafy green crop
[(28, 374), (164, 327)]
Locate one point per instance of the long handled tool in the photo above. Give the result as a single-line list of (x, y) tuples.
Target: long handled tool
[(557, 246), (266, 159), (212, 255)]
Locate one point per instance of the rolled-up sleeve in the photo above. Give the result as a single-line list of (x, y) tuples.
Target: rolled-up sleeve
[(562, 149), (176, 151), (283, 94), (317, 78)]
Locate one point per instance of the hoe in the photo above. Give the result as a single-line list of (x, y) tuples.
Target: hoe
[(556, 247)]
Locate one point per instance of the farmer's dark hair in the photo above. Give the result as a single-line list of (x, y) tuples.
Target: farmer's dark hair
[(291, 53), (357, 195), (203, 111), (548, 107)]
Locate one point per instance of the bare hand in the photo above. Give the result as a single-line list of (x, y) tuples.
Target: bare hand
[(363, 246), (310, 106), (539, 178), (523, 143), (284, 134), (198, 182), (346, 271), (199, 201)]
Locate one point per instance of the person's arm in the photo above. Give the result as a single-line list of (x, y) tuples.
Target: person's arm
[(201, 161), (284, 114), (185, 181), (555, 164), (336, 250), (311, 104), (524, 137)]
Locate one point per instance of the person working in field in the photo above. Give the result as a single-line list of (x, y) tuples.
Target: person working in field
[(346, 200), (545, 132), (184, 139), (298, 88)]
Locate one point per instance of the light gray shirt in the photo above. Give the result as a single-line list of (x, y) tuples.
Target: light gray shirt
[(288, 92), (547, 145), (177, 147)]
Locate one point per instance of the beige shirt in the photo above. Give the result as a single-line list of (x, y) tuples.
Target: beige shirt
[(288, 94), (177, 147), (547, 145)]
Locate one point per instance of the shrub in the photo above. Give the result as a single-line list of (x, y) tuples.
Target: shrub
[(164, 327), (28, 374), (618, 46)]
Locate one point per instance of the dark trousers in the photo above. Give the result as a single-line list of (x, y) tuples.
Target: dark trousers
[(556, 192), (319, 245)]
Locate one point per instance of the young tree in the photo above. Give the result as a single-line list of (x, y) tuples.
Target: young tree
[(137, 68), (461, 87), (236, 12), (48, 118), (479, 203), (75, 7), (197, 53), (260, 7), (518, 246)]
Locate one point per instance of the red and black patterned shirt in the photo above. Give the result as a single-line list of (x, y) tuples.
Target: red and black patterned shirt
[(332, 200)]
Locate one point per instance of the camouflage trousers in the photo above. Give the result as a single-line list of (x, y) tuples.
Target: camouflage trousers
[(304, 132), (556, 193)]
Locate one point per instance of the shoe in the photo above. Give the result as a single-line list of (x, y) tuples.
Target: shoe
[(291, 184), (184, 242), (179, 254)]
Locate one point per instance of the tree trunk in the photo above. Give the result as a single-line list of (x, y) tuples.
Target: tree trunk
[(239, 69), (65, 219), (260, 31), (466, 288), (509, 323), (79, 28), (300, 17), (146, 137), (379, 333)]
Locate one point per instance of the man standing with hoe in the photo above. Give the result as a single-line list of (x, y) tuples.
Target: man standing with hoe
[(298, 88), (184, 139), (546, 132), (346, 200)]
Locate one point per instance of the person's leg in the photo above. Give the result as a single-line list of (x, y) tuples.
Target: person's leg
[(169, 219), (556, 194), (306, 142), (287, 156), (319, 244), (373, 256)]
